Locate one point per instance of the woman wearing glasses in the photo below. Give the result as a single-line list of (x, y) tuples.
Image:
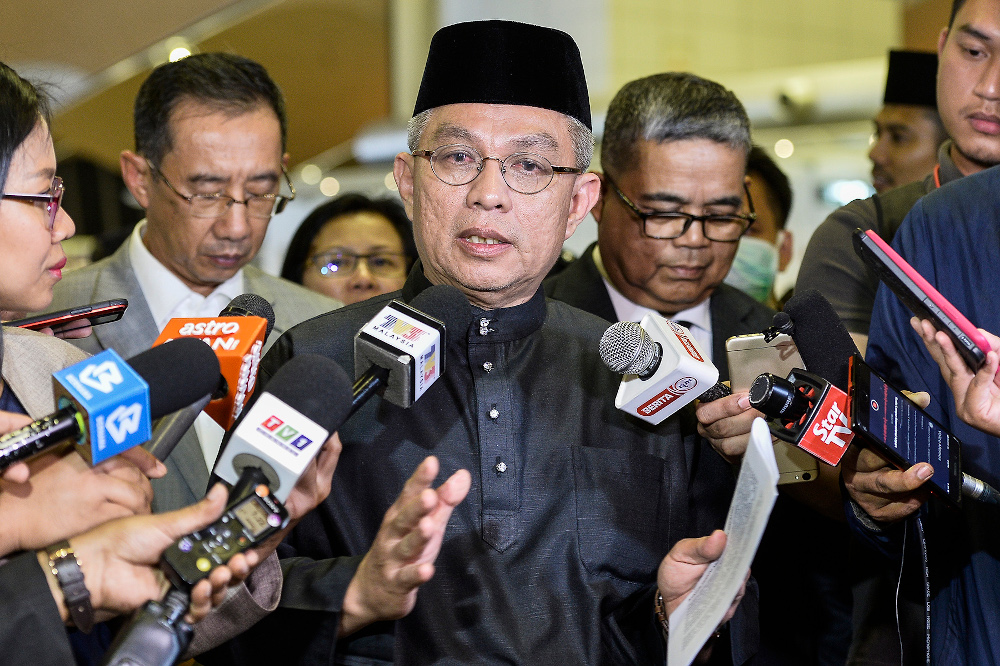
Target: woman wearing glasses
[(57, 496), (352, 248)]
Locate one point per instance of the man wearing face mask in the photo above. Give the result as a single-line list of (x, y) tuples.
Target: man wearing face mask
[(766, 248)]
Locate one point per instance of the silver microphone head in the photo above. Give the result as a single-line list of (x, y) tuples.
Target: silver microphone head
[(627, 349)]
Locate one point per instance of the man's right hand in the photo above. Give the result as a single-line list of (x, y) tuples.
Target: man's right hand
[(65, 496), (885, 493), (402, 557)]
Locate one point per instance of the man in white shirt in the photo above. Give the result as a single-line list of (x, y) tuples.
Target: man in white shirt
[(209, 169)]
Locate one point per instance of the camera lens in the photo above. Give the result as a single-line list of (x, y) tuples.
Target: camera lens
[(776, 397)]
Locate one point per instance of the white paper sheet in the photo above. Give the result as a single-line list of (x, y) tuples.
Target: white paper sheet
[(699, 614)]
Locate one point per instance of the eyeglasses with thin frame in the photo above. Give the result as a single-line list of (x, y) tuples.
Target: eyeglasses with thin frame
[(52, 199), (260, 206), (666, 226), (458, 164), (341, 263)]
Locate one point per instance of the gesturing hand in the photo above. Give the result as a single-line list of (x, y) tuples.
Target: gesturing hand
[(402, 557)]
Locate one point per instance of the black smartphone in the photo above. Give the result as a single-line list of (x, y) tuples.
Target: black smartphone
[(97, 314), (903, 433), (921, 297)]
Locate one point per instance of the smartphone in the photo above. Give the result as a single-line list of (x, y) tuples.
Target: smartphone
[(752, 355), (903, 433), (921, 298), (97, 314)]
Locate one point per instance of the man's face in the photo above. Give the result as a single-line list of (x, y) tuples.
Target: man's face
[(696, 176), (905, 148), (212, 152), (968, 84), (493, 243)]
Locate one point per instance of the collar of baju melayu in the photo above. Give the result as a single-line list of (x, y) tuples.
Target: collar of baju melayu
[(504, 324)]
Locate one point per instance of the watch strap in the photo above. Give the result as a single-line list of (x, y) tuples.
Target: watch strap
[(66, 568), (661, 615)]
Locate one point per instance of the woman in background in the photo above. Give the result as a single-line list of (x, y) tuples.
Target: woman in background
[(57, 496), (352, 248)]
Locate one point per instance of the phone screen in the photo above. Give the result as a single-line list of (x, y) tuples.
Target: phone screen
[(904, 431)]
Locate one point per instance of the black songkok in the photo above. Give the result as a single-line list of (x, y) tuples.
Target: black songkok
[(911, 79), (504, 62)]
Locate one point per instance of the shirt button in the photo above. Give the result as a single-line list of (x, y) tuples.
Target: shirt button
[(494, 414), (487, 366), (501, 467)]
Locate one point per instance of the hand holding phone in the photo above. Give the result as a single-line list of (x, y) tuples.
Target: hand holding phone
[(977, 395), (921, 297), (898, 430)]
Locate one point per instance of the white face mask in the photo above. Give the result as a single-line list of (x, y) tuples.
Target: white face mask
[(754, 268)]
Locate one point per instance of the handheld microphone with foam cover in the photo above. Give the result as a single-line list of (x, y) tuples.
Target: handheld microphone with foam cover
[(401, 352), (809, 409), (107, 405), (822, 340), (664, 367), (308, 398), (237, 337)]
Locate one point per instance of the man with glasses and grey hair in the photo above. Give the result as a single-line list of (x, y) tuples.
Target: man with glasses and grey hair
[(559, 551), (674, 205), (209, 169)]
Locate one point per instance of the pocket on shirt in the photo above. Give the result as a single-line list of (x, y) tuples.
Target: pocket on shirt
[(621, 511)]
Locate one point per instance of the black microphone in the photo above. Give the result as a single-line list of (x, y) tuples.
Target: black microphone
[(308, 398), (251, 305), (103, 411), (402, 350), (664, 368)]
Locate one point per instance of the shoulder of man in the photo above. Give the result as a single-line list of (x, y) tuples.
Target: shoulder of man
[(292, 303), (893, 206), (739, 311)]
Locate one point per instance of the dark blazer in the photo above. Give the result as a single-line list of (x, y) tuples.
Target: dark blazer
[(732, 311)]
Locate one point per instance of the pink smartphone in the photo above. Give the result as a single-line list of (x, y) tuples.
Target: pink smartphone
[(920, 297)]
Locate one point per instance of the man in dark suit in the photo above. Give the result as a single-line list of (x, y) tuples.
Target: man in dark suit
[(672, 210), (674, 205)]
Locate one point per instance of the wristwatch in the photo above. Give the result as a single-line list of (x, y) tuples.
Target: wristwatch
[(661, 615), (66, 568)]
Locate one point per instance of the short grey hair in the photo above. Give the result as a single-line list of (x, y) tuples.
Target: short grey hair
[(580, 135), (673, 106)]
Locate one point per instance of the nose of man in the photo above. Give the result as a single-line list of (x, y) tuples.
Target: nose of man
[(489, 190)]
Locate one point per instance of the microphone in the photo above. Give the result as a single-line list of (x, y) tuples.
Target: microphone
[(308, 398), (809, 409), (806, 411), (664, 367), (237, 337), (107, 405), (400, 353)]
